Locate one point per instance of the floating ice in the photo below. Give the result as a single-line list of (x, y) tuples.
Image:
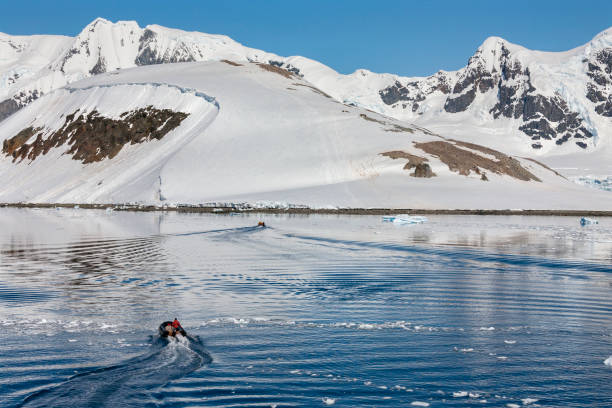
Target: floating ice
[(588, 221), (513, 405), (460, 394), (510, 341), (419, 404), (405, 219), (474, 395), (329, 401), (608, 361), (487, 328), (527, 401)]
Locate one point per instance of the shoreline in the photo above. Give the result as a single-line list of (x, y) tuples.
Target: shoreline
[(308, 211)]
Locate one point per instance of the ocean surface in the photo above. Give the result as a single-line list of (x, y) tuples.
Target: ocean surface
[(319, 310)]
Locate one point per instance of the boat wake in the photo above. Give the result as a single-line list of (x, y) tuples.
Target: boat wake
[(132, 383)]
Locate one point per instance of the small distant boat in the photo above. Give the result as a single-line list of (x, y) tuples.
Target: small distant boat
[(171, 329)]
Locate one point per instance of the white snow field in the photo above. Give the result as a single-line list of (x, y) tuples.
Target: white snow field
[(258, 137)]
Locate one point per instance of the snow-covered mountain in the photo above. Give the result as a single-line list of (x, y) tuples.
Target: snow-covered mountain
[(523, 101), (231, 132), (111, 116), (33, 66)]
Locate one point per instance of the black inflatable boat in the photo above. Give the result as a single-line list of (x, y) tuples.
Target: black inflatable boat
[(168, 329)]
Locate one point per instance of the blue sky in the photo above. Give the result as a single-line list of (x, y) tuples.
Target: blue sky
[(402, 37)]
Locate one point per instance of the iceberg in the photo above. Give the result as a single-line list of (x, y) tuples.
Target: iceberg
[(405, 219), (588, 221)]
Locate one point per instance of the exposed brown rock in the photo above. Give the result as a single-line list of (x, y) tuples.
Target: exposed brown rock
[(465, 161), (235, 64), (393, 127), (421, 168), (316, 90), (276, 70), (369, 119), (16, 144), (92, 137)]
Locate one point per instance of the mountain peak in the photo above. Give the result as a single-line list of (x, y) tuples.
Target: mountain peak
[(493, 46), (601, 40), (97, 21)]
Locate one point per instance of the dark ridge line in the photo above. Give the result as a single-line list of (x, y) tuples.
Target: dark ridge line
[(308, 211)]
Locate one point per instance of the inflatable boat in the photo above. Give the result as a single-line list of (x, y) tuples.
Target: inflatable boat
[(166, 329)]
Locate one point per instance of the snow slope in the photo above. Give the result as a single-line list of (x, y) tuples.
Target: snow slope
[(256, 135)]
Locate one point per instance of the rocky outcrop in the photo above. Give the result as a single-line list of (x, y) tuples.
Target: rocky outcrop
[(464, 158), (7, 108), (390, 127), (475, 78), (18, 101), (418, 163), (599, 88), (93, 137), (286, 66), (13, 146), (148, 53), (276, 70), (412, 93)]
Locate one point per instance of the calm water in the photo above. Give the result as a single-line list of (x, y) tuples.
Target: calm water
[(346, 311)]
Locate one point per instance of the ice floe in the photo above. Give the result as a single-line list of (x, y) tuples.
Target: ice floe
[(608, 361), (329, 401), (405, 219), (588, 221)]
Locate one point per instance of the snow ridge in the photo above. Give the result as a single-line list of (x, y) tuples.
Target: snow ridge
[(193, 91)]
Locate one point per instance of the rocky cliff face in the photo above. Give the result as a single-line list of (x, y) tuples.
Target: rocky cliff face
[(501, 73), (599, 86)]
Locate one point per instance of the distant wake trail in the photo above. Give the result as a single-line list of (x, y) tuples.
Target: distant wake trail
[(130, 384)]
